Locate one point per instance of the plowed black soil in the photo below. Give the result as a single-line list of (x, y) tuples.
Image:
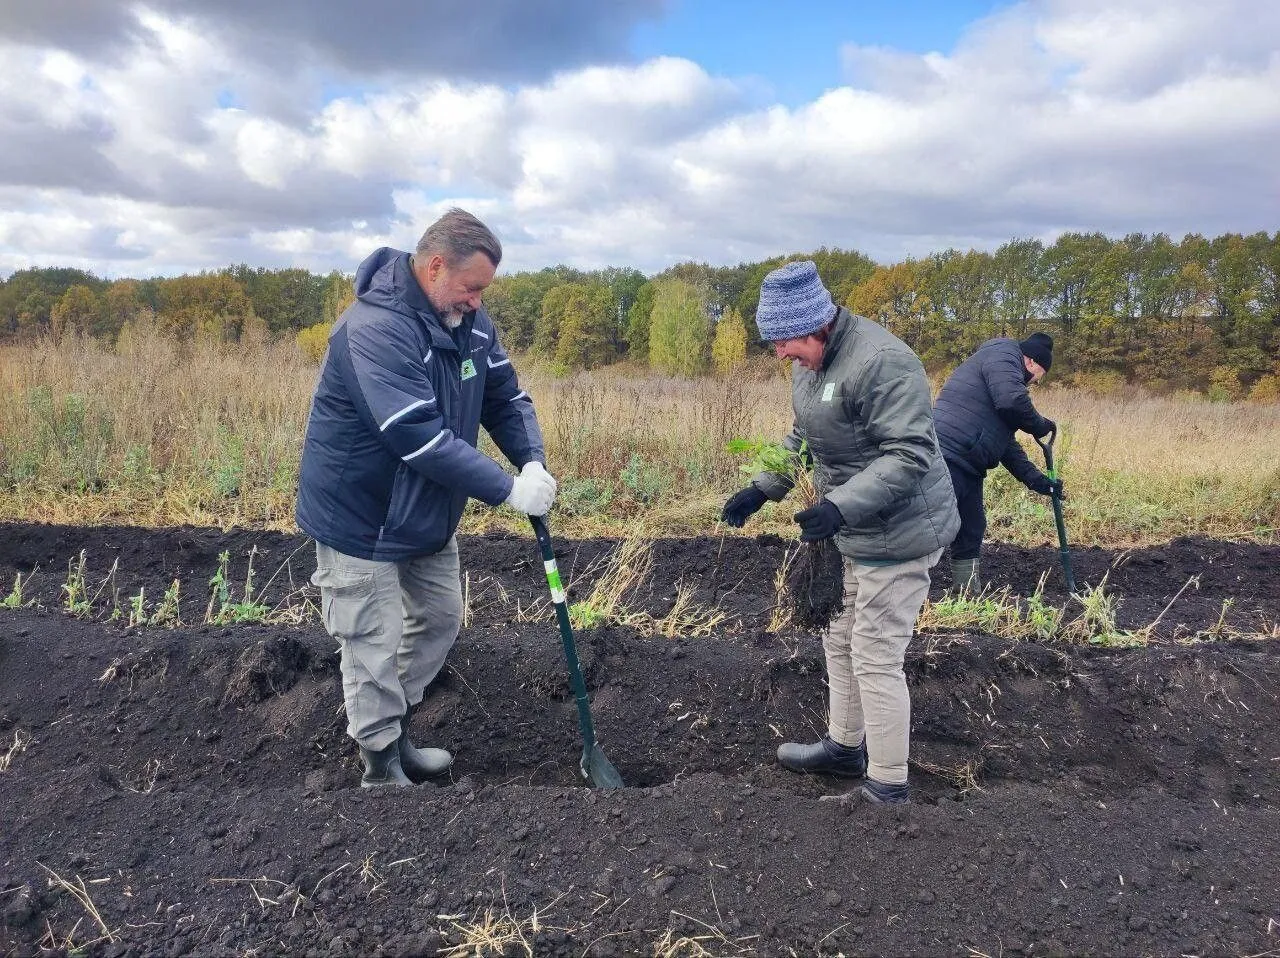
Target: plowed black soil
[(195, 787)]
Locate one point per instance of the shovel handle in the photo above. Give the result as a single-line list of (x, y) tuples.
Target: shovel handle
[(560, 601), (543, 535), (1046, 447), (1064, 552)]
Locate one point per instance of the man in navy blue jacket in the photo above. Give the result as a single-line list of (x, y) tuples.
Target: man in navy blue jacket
[(413, 369), (980, 407)]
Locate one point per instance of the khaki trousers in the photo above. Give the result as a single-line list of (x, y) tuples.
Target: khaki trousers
[(394, 623), (865, 648)]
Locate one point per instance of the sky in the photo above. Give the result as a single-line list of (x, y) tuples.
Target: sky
[(142, 139)]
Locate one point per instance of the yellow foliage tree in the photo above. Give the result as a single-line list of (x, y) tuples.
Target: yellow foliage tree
[(209, 306), (1266, 389), (729, 347), (122, 304), (313, 341), (76, 312), (894, 297)]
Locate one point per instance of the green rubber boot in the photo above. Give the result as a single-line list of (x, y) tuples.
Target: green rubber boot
[(964, 575), (383, 767)]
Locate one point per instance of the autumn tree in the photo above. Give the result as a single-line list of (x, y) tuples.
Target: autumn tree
[(624, 287), (546, 334), (679, 329), (28, 296), (515, 302), (313, 341), (284, 299), (729, 346), (75, 313), (896, 298), (209, 305), (121, 304)]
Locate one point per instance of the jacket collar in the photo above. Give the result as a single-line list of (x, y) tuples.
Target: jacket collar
[(845, 323)]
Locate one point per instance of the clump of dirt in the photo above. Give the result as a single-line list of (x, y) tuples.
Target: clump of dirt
[(192, 790), (815, 584), (266, 669)]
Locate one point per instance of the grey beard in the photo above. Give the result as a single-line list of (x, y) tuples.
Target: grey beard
[(453, 320)]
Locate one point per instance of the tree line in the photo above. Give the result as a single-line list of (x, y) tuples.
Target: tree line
[(227, 305), (1198, 313)]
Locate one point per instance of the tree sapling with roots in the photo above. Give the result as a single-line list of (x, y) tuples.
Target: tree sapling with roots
[(814, 581)]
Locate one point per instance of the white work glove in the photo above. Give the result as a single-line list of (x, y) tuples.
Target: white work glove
[(533, 490)]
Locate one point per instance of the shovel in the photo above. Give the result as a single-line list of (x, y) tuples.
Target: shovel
[(594, 766), (1047, 448)]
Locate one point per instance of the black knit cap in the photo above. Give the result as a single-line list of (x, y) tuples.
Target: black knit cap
[(1039, 347)]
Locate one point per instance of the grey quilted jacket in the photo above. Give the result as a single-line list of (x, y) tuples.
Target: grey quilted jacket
[(866, 421)]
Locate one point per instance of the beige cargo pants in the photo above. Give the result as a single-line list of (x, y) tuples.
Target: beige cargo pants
[(394, 623), (865, 648)]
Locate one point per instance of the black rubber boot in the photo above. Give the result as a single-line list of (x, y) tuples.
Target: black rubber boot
[(878, 793), (383, 767), (825, 756), (419, 764)]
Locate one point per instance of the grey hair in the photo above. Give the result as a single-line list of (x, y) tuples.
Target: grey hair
[(456, 236)]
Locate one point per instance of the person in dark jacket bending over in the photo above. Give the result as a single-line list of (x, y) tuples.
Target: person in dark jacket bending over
[(413, 369), (861, 403), (983, 403)]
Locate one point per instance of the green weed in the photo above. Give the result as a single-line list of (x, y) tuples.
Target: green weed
[(584, 615), (222, 608), (75, 590), (645, 481), (167, 613), (15, 599), (138, 609)]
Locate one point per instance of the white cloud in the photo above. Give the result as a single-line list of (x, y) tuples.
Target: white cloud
[(1046, 116), (269, 153), (438, 134)]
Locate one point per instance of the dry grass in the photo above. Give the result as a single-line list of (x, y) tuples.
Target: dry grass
[(712, 943), (494, 932), (159, 433), (19, 745), (80, 892), (963, 776), (618, 576)]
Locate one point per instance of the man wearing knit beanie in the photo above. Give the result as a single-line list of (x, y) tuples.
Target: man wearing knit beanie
[(983, 403), (862, 414)]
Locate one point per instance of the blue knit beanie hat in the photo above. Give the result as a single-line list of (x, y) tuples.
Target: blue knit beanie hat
[(793, 303)]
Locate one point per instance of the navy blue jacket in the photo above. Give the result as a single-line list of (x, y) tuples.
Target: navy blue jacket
[(390, 455), (983, 403)]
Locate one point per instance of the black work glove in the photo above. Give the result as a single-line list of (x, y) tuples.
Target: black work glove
[(1047, 428), (819, 522), (742, 505), (1055, 489)]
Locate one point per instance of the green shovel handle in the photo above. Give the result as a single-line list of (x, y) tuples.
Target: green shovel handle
[(560, 601), (1046, 446)]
